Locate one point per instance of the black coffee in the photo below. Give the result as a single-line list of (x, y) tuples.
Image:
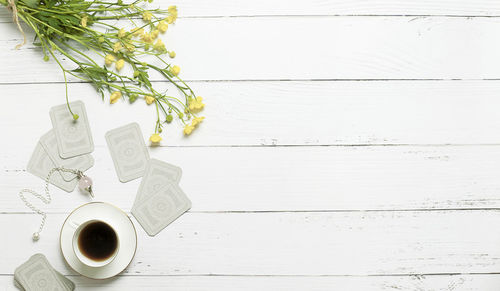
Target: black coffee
[(97, 241)]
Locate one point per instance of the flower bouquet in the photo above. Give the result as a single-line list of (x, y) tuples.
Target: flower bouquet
[(85, 32)]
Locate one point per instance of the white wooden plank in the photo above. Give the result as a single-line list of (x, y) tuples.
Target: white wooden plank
[(313, 244), (283, 113), (292, 178), (250, 283), (207, 8), (292, 48)]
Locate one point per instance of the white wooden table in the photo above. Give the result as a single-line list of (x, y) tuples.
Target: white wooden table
[(348, 145)]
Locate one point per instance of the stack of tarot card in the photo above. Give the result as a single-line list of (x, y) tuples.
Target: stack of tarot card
[(38, 274), (159, 200), (68, 144)]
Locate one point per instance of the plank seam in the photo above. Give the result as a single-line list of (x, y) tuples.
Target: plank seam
[(280, 80), (325, 211)]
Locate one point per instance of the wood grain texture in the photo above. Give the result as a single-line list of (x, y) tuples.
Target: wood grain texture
[(291, 244), (214, 8), (280, 283), (292, 178), (337, 153), (283, 113), (305, 48)]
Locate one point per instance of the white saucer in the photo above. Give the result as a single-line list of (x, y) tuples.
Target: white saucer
[(118, 220)]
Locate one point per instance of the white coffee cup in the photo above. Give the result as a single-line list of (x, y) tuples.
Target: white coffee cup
[(79, 253)]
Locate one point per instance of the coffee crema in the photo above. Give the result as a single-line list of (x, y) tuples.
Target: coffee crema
[(97, 241)]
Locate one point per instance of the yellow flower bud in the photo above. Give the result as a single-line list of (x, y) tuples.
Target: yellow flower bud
[(137, 31), (136, 74), (109, 59), (149, 99), (196, 104), (155, 138), (146, 16), (159, 45), (170, 19), (121, 33), (130, 47), (117, 46), (154, 33), (188, 129), (175, 70), (83, 21), (171, 54), (197, 121), (115, 96), (147, 38), (172, 9), (119, 64), (163, 26)]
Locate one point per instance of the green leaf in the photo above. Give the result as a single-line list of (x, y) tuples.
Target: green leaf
[(31, 3)]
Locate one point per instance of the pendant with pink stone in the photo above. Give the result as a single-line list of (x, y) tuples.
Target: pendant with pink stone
[(85, 184)]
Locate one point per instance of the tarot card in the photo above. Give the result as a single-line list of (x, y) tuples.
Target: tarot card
[(161, 208), (40, 165), (73, 136), (38, 274), (157, 174), (128, 151), (82, 163)]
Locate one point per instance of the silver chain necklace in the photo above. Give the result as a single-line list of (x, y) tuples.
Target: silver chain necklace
[(84, 183)]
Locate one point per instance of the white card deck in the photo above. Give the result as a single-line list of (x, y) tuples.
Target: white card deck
[(40, 165), (157, 174), (38, 274), (161, 208), (73, 136), (82, 163), (128, 151)]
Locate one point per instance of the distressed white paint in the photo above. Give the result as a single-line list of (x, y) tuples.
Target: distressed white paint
[(285, 113), (216, 8), (292, 243), (240, 48), (281, 198)]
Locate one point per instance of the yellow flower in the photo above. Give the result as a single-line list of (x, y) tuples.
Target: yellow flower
[(146, 16), (109, 59), (115, 96), (171, 19), (121, 33), (188, 129), (117, 46), (172, 10), (197, 120), (173, 14), (119, 64), (171, 54), (83, 21), (149, 99), (137, 31), (155, 138), (175, 70), (147, 38), (130, 47), (159, 45), (163, 26), (154, 33), (196, 104)]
